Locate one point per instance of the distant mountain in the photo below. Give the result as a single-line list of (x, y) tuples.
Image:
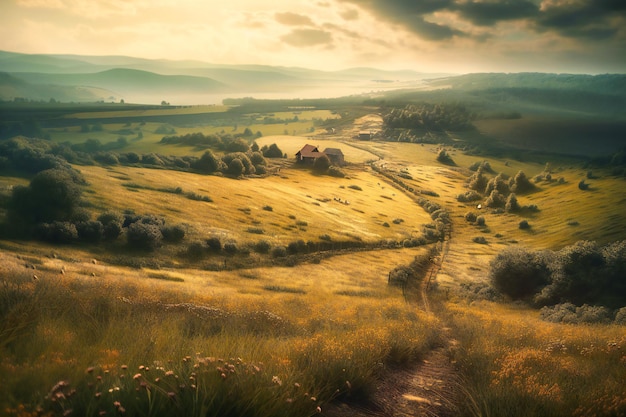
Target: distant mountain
[(153, 80)]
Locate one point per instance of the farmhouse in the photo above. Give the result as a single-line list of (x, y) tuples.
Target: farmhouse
[(335, 155), (308, 154)]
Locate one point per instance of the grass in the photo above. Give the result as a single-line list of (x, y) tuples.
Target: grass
[(156, 347), (518, 365)]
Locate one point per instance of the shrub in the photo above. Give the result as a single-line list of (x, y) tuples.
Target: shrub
[(321, 164), (511, 203), (173, 234), (620, 316), (268, 208), (208, 163), (195, 250), (257, 159), (477, 182), (214, 244), (355, 187), (231, 248), (273, 151), (519, 273), (524, 225), (57, 232), (470, 217), (144, 236), (262, 246), (521, 184), (90, 231), (497, 183), (569, 313), (112, 223), (495, 200), (468, 196), (444, 157), (279, 252), (235, 168), (481, 166), (480, 221), (582, 185), (480, 239), (52, 195)]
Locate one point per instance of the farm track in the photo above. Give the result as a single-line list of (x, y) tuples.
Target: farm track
[(431, 387)]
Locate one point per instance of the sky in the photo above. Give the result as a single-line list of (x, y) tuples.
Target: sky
[(451, 36)]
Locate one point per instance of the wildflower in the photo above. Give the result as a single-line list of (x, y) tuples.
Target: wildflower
[(169, 373), (141, 367), (223, 375), (137, 376), (348, 384), (297, 385), (313, 399), (124, 367), (98, 395), (276, 380), (318, 410), (122, 410), (68, 412), (117, 404), (171, 395), (90, 370)]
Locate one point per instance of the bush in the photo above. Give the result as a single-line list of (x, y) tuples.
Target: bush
[(620, 316), (321, 164), (112, 225), (521, 184), (57, 232), (569, 313), (279, 252), (273, 151), (480, 221), (495, 200), (235, 168), (195, 250), (53, 195), (480, 239), (262, 246), (511, 203), (230, 248), (144, 236), (90, 231), (497, 183), (519, 273), (477, 182), (468, 197), (214, 244), (208, 163), (445, 158), (524, 225), (470, 217), (173, 234)]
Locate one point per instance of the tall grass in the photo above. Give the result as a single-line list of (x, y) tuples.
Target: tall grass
[(516, 365), (90, 345)]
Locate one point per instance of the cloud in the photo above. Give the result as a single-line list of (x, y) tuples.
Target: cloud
[(308, 37), (488, 13), (350, 14), (293, 19), (589, 19)]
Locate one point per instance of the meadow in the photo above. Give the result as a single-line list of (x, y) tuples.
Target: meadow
[(89, 329)]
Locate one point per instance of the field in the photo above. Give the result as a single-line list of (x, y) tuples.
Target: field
[(318, 329)]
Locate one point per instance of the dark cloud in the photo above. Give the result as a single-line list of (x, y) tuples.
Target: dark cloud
[(293, 19), (308, 37), (488, 13), (410, 14), (582, 19), (590, 19)]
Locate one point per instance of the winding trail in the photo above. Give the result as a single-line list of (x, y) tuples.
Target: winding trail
[(433, 386)]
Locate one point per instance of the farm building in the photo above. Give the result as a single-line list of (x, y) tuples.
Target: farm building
[(335, 155), (308, 153)]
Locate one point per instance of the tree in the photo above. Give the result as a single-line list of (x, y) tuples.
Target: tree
[(235, 168), (519, 273), (321, 164), (273, 151), (52, 195), (207, 163)]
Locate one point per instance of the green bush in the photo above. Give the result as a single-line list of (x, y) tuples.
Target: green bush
[(173, 234), (214, 243), (519, 273), (273, 151), (144, 236), (112, 223), (53, 195), (90, 231), (57, 232), (262, 246)]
